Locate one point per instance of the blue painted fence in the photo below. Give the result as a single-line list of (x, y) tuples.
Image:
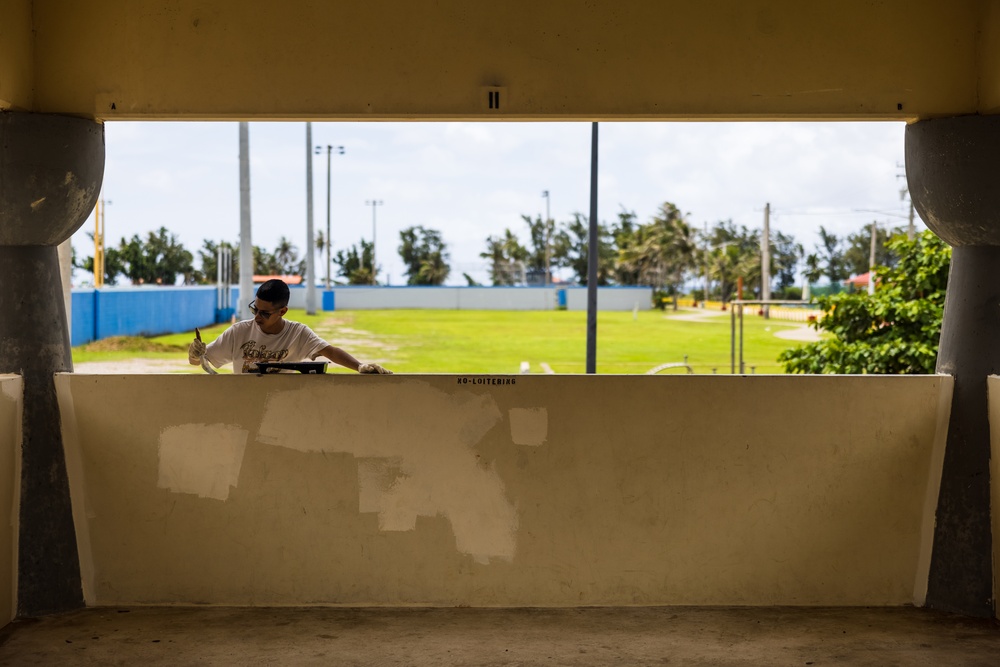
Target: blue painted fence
[(155, 310), (143, 311)]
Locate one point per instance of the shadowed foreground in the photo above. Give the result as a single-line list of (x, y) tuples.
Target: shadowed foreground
[(437, 636)]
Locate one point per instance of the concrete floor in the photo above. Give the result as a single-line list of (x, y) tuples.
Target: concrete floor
[(152, 636)]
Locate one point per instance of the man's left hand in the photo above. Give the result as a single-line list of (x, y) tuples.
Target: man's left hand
[(373, 369)]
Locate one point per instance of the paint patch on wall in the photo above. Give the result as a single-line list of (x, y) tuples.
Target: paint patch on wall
[(376, 477), (201, 459), (529, 426), (398, 479), (10, 385)]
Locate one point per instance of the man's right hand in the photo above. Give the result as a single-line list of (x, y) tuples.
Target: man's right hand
[(196, 350)]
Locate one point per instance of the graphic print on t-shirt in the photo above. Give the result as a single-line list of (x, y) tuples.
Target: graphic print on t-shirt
[(254, 352)]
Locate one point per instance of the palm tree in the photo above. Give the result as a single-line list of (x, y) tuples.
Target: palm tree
[(812, 273), (286, 255), (320, 243), (434, 270), (662, 252), (680, 251), (832, 256), (505, 254)]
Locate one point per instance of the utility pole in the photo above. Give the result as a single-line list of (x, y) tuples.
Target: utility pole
[(98, 272), (310, 236), (871, 260), (374, 203), (100, 226), (765, 260), (548, 240), (246, 244), (905, 194), (910, 230)]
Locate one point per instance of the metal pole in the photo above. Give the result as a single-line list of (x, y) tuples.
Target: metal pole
[(765, 261), (871, 260), (246, 244), (742, 367), (97, 239), (592, 259), (732, 338), (910, 231), (310, 235), (98, 273), (374, 203)]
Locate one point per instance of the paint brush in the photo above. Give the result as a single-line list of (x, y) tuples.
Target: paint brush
[(204, 362)]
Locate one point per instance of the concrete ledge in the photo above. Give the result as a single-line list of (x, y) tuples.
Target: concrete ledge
[(503, 490)]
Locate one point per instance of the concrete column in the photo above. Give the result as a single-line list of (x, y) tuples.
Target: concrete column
[(951, 168), (51, 169)]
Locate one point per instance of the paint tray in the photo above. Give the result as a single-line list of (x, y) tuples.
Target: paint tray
[(305, 367)]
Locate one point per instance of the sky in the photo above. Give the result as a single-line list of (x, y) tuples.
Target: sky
[(471, 180)]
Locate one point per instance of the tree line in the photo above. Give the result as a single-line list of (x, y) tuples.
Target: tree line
[(897, 329), (668, 253), (160, 258)]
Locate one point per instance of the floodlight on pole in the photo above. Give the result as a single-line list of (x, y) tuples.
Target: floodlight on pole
[(374, 203), (310, 231), (329, 151)]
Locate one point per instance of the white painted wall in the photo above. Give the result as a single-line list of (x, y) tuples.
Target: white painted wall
[(611, 298), (504, 490), (11, 397)]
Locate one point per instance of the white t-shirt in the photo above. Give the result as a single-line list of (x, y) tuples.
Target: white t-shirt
[(245, 344)]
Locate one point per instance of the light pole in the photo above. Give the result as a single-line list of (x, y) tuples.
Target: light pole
[(548, 257), (329, 152), (374, 203), (310, 235), (100, 223)]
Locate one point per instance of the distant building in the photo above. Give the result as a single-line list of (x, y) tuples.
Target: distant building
[(289, 280)]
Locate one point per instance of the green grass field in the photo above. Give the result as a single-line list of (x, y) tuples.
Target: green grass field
[(454, 341)]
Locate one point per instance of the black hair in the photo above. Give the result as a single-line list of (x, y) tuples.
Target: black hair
[(274, 291)]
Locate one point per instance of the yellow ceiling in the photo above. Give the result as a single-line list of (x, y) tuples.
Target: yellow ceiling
[(548, 59)]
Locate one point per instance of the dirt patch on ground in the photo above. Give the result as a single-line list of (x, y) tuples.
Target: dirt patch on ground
[(137, 366), (696, 315), (346, 337), (806, 334), (337, 331), (131, 344)]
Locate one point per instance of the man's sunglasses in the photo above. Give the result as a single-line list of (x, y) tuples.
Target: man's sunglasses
[(263, 313)]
